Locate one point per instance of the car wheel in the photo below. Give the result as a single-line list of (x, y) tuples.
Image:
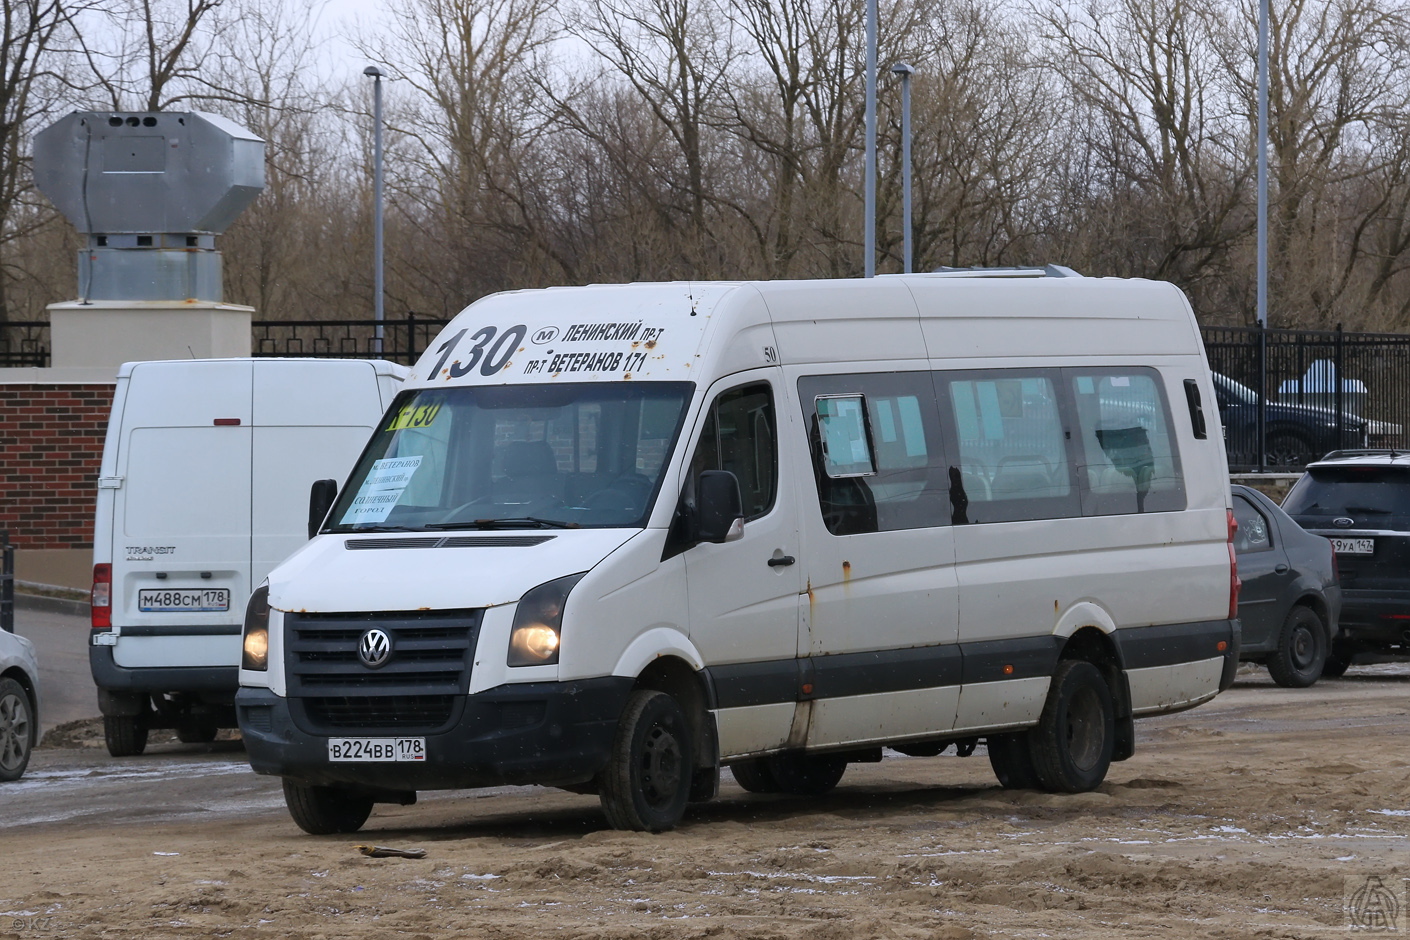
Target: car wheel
[(1012, 759), (1338, 661), (324, 811), (1288, 449), (196, 732), (1302, 650), (17, 730), (646, 783), (126, 735), (1073, 742), (754, 775), (806, 774)]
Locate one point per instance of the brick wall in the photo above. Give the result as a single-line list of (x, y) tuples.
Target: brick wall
[(51, 445)]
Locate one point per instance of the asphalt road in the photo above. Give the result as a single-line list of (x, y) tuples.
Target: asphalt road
[(66, 690)]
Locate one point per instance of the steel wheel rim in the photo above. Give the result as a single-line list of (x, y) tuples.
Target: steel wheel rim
[(1304, 648), (14, 731), (1086, 731), (660, 766)]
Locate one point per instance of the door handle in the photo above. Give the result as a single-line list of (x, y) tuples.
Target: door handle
[(1280, 569), (782, 562)]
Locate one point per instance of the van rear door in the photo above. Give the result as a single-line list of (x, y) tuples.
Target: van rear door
[(312, 419), (181, 544)]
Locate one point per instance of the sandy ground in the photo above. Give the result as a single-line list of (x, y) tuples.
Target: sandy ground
[(1258, 815)]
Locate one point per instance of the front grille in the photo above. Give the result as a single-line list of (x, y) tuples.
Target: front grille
[(427, 672), (380, 711)]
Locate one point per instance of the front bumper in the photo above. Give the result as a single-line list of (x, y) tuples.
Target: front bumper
[(567, 740)]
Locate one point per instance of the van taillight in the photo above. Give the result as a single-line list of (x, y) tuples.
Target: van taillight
[(1234, 582), (102, 597)]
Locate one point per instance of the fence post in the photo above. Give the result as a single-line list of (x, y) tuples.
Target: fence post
[(1262, 397), (411, 337), (1340, 403), (7, 583)]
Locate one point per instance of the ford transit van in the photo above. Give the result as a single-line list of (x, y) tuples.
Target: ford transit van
[(203, 489), (613, 538)]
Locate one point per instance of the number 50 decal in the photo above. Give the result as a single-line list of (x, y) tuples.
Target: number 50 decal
[(488, 353)]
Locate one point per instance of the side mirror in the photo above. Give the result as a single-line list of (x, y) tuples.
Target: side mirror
[(320, 499), (719, 510)]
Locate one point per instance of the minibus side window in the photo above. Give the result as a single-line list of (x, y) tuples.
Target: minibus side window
[(1012, 443), (739, 436), (876, 446), (1127, 457)]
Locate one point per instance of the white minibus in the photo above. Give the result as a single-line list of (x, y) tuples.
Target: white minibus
[(614, 538)]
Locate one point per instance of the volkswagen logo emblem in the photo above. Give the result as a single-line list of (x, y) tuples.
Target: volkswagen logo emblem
[(374, 649), (1342, 522)]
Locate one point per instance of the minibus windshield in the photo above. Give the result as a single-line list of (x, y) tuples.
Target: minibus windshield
[(575, 455)]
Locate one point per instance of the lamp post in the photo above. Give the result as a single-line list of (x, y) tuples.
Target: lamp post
[(905, 70), (869, 198), (379, 313), (1262, 309)]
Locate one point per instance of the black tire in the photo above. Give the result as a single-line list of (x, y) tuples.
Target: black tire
[(806, 774), (1073, 742), (126, 735), (754, 775), (1302, 650), (1012, 759), (1288, 449), (646, 784), (324, 811), (17, 729), (196, 732), (1338, 661)]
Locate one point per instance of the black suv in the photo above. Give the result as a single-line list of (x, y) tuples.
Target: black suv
[(1360, 500), (1296, 434)]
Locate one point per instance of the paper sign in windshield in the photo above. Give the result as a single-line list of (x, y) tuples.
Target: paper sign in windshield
[(381, 490)]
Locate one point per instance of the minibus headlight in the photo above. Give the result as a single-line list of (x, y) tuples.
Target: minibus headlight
[(537, 621), (255, 653)]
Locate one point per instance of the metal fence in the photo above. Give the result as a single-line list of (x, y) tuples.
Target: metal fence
[(402, 340), (7, 583), (24, 343), (1306, 392)]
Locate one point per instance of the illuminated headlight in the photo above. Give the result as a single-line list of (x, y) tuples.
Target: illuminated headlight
[(537, 622), (255, 653)]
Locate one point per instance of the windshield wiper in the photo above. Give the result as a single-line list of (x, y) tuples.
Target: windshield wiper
[(1375, 510), (383, 528), (511, 522)]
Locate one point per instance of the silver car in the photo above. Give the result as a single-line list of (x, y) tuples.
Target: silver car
[(19, 704)]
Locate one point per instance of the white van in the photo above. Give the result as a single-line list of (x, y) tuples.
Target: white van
[(203, 489), (612, 538)]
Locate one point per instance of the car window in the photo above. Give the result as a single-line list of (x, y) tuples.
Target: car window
[(739, 436), (1358, 492), (1253, 534)]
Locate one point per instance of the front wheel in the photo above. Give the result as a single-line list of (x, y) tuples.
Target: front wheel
[(1301, 655), (125, 735), (17, 731), (196, 732), (323, 811), (1073, 742), (1338, 661), (646, 783)]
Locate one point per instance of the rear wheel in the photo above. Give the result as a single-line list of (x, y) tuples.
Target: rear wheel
[(647, 781), (17, 730), (754, 775), (1338, 661), (806, 774), (126, 735), (323, 811), (1302, 650), (1012, 760), (1073, 742), (196, 732)]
